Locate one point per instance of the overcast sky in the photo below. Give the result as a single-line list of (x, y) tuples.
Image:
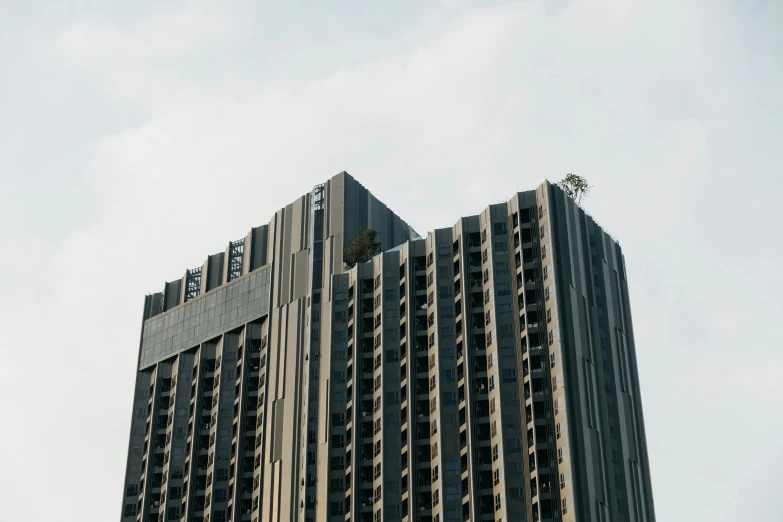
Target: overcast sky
[(138, 137)]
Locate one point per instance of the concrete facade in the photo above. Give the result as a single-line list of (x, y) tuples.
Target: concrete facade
[(485, 372)]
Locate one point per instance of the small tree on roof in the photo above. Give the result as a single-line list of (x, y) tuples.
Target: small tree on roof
[(575, 187), (363, 247)]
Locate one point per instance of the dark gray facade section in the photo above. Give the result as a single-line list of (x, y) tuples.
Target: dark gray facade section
[(205, 317), (362, 210), (611, 476)]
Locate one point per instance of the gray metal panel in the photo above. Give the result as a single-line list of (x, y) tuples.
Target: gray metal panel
[(205, 317), (172, 294), (299, 282), (214, 274)]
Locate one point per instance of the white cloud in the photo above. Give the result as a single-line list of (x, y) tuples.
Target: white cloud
[(438, 117)]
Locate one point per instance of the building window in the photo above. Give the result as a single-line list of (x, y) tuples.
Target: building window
[(498, 501), (338, 440), (496, 477), (501, 247), (500, 229), (562, 453), (392, 398), (444, 252), (565, 477), (337, 485), (495, 453), (506, 331), (557, 381), (513, 445), (566, 502), (338, 419)]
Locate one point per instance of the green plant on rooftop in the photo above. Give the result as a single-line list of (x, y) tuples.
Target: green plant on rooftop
[(575, 187), (363, 247)]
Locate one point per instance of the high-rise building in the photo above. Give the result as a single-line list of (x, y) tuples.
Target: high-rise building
[(485, 372)]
